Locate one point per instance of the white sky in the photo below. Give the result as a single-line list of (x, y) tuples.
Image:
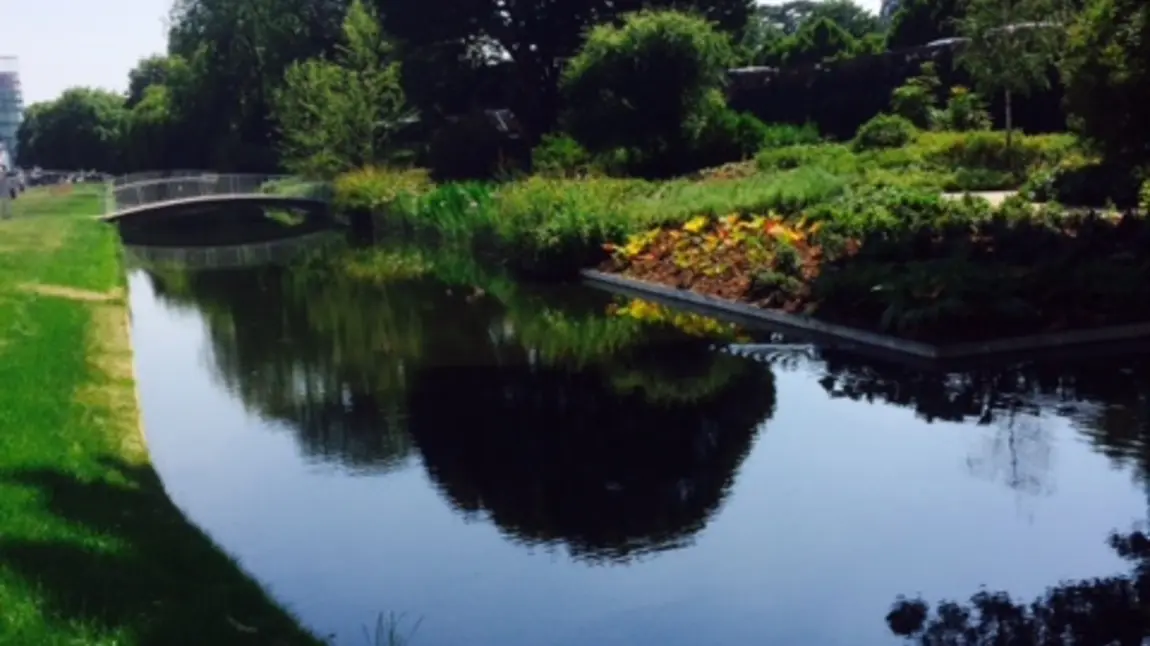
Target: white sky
[(64, 43)]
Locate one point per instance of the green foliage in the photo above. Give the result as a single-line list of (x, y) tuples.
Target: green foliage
[(1084, 181), (916, 99), (778, 135), (728, 136), (1144, 196), (341, 114), (816, 41), (555, 226), (988, 150), (1107, 79), (918, 22), (83, 129), (1011, 47), (884, 131), (647, 85), (964, 111), (559, 155), (540, 35)]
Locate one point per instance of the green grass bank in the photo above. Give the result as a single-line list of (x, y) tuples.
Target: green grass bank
[(92, 551)]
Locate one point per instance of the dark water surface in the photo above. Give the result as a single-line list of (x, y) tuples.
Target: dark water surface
[(523, 468)]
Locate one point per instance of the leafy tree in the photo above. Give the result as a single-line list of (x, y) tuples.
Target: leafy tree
[(153, 70), (798, 32), (151, 138), (1107, 77), (239, 52), (647, 84), (82, 129), (1011, 47), (790, 17), (817, 41), (916, 99), (534, 38), (918, 22), (965, 110), (341, 114)]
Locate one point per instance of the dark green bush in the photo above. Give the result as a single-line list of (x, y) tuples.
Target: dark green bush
[(779, 135), (559, 155), (884, 131), (726, 136), (649, 86)]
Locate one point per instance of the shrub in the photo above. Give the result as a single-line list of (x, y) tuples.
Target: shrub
[(561, 156), (834, 158), (648, 85), (915, 100), (884, 131), (987, 150), (779, 135), (964, 111), (375, 189), (727, 136), (1144, 197)]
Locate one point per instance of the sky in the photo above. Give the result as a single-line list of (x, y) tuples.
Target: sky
[(65, 43)]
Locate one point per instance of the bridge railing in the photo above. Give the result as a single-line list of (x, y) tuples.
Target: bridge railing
[(146, 189)]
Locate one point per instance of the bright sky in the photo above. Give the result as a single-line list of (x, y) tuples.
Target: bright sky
[(64, 43)]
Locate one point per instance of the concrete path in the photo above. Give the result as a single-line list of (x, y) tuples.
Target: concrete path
[(995, 198)]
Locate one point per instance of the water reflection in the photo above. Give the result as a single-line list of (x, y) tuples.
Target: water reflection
[(607, 441), (1105, 611), (609, 430)]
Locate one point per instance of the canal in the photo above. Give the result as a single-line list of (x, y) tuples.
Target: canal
[(484, 462)]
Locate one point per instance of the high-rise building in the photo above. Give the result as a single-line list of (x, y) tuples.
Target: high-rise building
[(11, 105)]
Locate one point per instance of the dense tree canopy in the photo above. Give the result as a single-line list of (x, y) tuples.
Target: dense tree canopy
[(534, 37), (1107, 75), (267, 85)]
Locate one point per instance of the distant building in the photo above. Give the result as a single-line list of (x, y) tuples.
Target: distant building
[(888, 10), (11, 105)]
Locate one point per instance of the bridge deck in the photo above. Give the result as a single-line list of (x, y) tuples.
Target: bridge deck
[(265, 198)]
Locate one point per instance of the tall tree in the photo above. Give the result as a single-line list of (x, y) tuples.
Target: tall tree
[(790, 17), (344, 113), (239, 52), (1107, 77), (918, 22), (1012, 46), (82, 129), (534, 38)]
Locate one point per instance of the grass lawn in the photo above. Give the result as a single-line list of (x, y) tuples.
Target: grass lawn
[(91, 549)]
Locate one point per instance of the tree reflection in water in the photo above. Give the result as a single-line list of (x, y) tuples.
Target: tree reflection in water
[(1110, 611), (1106, 400), (563, 424), (555, 456)]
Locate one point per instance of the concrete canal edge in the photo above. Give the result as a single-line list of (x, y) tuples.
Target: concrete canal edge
[(854, 338)]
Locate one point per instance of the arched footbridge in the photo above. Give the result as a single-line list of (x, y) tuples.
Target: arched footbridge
[(153, 193)]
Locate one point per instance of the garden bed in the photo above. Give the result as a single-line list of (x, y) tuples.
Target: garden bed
[(937, 272)]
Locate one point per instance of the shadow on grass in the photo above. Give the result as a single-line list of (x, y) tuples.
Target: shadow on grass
[(165, 583)]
